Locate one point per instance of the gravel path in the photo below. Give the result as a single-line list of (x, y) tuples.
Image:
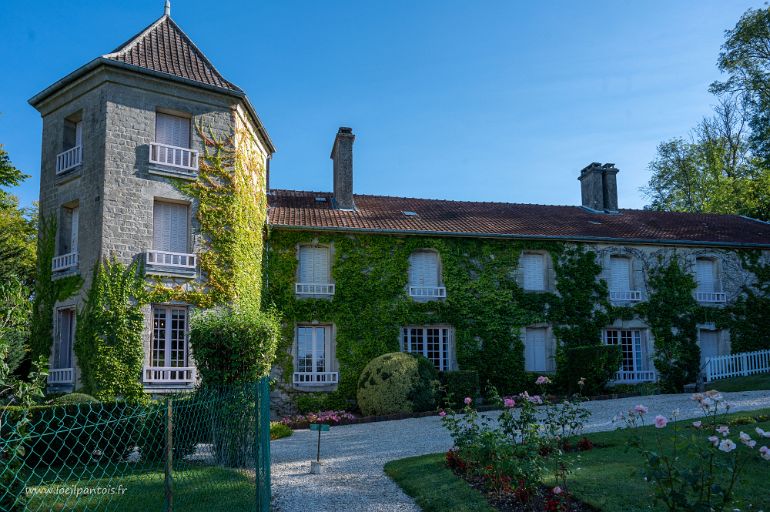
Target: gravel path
[(354, 455)]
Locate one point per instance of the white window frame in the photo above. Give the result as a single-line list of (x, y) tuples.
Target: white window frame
[(625, 292), (321, 358), (315, 285), (546, 350), (56, 359), (418, 343), (525, 284), (715, 294), (425, 289), (167, 360)]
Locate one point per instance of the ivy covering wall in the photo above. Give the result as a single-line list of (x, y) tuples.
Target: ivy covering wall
[(485, 303)]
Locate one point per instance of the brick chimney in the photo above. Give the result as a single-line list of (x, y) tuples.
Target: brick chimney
[(342, 155), (599, 187)]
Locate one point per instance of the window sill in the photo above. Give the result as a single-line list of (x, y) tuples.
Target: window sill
[(69, 175), (171, 172), (61, 274), (170, 272)]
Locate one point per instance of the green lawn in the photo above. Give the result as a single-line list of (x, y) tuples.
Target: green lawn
[(204, 489), (603, 477), (750, 383)]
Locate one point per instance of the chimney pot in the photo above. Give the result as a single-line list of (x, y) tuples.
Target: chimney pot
[(342, 156), (598, 187)]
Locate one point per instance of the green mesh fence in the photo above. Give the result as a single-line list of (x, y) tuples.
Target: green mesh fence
[(208, 450)]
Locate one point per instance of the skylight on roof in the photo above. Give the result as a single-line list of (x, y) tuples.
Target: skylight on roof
[(409, 213), (320, 199)]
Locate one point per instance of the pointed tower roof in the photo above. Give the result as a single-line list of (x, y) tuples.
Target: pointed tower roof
[(162, 50), (165, 48)]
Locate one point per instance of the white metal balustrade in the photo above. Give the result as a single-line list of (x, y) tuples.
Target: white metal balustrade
[(635, 376), (314, 288), (169, 374), (316, 378), (737, 365), (713, 297), (174, 156), (61, 376), (427, 291), (626, 296), (64, 262), (69, 159), (178, 260)]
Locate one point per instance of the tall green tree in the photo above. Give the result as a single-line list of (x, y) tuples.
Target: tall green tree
[(17, 227), (713, 171)]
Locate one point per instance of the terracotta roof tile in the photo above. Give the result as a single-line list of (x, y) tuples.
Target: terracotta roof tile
[(164, 48), (299, 209)]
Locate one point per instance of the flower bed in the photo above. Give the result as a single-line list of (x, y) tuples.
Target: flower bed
[(329, 417)]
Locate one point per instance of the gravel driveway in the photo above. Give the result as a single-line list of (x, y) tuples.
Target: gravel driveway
[(354, 455)]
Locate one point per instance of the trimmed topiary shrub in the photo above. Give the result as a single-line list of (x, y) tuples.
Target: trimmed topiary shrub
[(458, 385), (597, 364), (397, 383)]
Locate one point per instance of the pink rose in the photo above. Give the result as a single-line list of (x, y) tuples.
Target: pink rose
[(764, 452), (723, 429), (714, 440), (557, 490), (468, 400), (640, 409), (660, 421), (542, 380), (727, 445), (442, 413), (509, 403), (697, 424)]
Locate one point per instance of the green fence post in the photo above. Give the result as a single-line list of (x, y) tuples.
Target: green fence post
[(169, 480), (262, 443)]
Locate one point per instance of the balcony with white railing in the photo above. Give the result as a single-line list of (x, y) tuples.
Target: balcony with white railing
[(635, 376), (58, 376), (67, 160), (626, 295), (174, 262), (64, 262), (316, 378), (427, 292), (711, 297), (182, 160), (314, 288), (184, 375)]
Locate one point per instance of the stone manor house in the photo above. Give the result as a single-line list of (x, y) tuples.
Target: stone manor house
[(119, 132)]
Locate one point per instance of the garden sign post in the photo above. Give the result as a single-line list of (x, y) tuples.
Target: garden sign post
[(315, 465)]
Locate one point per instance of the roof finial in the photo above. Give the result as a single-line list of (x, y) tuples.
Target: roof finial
[(167, 8)]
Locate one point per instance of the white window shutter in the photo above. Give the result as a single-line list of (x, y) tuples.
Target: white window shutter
[(79, 133), (705, 275), (305, 264), (172, 130), (160, 226), (535, 350), (179, 237), (74, 229), (320, 265), (620, 272), (170, 227), (533, 266), (423, 269)]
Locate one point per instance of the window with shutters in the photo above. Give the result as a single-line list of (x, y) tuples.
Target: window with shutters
[(433, 342), (533, 271), (621, 281), (67, 246), (171, 238), (65, 337), (425, 276), (538, 350), (72, 145), (709, 288), (314, 271), (313, 356), (171, 148), (709, 341)]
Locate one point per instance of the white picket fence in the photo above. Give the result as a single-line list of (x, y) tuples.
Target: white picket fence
[(737, 365)]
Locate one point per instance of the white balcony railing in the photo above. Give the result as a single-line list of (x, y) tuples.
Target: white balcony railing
[(179, 260), (713, 297), (314, 289), (174, 156), (631, 376), (427, 291), (61, 376), (626, 295), (169, 374), (64, 262), (316, 378), (69, 159)]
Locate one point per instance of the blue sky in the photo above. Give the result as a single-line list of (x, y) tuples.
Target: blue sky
[(487, 100)]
